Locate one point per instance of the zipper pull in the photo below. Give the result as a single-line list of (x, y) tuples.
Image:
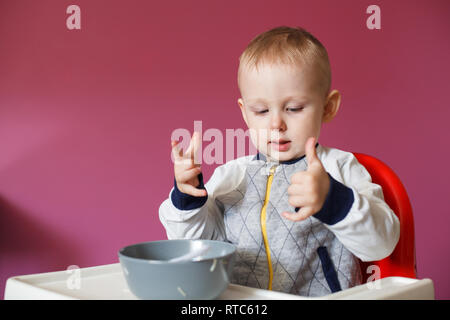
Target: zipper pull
[(272, 170)]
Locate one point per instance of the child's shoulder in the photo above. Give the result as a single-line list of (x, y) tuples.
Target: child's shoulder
[(229, 174), (335, 156), (342, 165)]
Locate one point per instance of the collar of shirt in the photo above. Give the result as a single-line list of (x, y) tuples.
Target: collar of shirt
[(261, 156)]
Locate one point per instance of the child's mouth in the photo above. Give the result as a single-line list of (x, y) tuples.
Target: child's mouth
[(281, 145)]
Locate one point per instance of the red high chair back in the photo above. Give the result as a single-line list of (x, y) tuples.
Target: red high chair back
[(402, 261)]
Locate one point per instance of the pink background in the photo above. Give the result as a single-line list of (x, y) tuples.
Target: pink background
[(86, 116)]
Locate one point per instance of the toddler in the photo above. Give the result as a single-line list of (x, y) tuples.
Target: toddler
[(300, 214)]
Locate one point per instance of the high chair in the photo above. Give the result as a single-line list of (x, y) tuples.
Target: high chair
[(402, 261), (398, 270)]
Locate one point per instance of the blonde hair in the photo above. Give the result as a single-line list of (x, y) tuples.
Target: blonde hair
[(288, 45)]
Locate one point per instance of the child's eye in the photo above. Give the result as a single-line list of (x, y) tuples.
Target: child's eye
[(295, 109), (261, 111)]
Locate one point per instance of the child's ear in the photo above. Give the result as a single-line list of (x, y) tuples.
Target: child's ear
[(241, 105), (333, 102)]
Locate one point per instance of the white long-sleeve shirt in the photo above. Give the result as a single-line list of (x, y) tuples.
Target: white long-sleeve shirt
[(354, 213)]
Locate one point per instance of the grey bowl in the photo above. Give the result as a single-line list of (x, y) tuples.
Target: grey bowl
[(150, 276)]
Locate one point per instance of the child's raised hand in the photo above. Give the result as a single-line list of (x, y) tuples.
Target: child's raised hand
[(186, 169), (308, 189)]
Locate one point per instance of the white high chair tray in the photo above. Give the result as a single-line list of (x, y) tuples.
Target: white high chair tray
[(108, 283)]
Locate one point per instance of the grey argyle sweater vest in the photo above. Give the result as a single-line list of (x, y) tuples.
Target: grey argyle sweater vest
[(307, 259)]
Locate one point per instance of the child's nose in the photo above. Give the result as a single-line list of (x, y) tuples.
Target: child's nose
[(277, 122)]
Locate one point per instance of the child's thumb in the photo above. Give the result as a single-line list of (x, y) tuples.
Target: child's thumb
[(310, 151)]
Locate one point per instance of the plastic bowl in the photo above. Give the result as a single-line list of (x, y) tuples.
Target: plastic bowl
[(150, 276)]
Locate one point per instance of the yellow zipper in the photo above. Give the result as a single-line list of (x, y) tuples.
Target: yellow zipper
[(263, 225)]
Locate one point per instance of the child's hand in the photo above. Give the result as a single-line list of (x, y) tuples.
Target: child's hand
[(186, 170), (308, 189)]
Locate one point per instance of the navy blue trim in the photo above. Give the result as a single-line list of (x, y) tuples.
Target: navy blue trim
[(260, 156), (292, 161), (183, 201), (328, 270), (337, 204)]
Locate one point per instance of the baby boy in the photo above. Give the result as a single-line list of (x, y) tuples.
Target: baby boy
[(300, 214)]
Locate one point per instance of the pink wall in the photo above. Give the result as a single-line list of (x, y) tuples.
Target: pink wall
[(86, 115)]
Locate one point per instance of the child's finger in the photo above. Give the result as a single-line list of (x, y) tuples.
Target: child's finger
[(300, 215), (176, 150), (197, 142), (184, 162), (312, 159), (188, 174), (296, 189), (194, 147), (298, 200), (310, 151), (190, 148), (193, 191), (298, 177)]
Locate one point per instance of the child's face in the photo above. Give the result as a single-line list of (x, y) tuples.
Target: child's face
[(282, 108)]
